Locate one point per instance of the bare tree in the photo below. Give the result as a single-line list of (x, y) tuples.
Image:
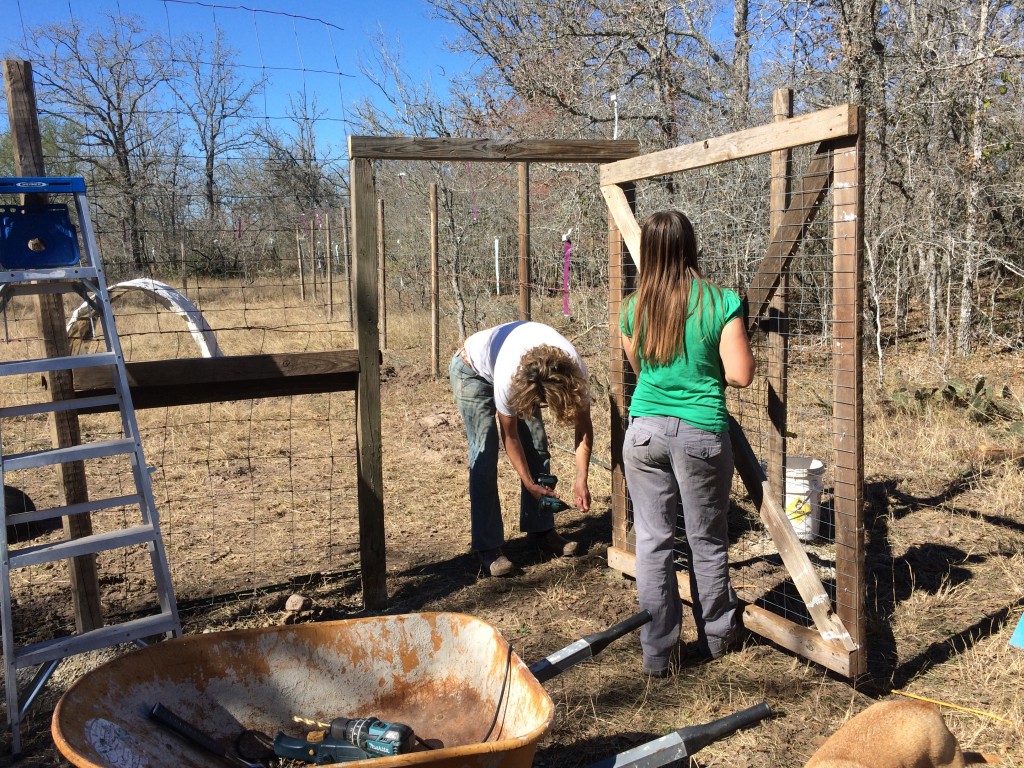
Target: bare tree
[(216, 101), (660, 58), (106, 81)]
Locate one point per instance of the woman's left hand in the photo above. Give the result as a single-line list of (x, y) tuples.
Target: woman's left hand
[(581, 495)]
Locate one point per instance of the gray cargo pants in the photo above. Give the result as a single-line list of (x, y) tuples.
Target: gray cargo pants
[(668, 463)]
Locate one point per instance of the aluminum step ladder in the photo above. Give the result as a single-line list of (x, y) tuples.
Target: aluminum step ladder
[(40, 254)]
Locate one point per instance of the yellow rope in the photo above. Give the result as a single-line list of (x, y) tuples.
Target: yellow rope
[(954, 706)]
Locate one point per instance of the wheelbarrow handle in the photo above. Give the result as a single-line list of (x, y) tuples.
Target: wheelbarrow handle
[(195, 736), (683, 743), (585, 648)]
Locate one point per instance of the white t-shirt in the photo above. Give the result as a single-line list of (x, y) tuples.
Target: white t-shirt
[(496, 352)]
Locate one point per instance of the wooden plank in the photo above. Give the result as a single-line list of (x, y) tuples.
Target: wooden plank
[(524, 241), (801, 640), (791, 551), (790, 232), (847, 413), (621, 210), (621, 281), (163, 383), (26, 144), (486, 150), (806, 129), (369, 467)]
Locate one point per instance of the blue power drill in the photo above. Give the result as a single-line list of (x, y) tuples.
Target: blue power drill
[(376, 738), (550, 503)]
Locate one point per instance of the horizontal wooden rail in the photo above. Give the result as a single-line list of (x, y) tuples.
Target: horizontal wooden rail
[(485, 150), (797, 131), (802, 640), (161, 383)]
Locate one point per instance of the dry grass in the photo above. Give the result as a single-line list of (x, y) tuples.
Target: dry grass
[(945, 532)]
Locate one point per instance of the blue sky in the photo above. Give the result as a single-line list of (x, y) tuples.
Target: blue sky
[(299, 44)]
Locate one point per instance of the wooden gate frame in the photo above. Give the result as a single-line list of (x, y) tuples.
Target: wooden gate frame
[(362, 152), (837, 640)]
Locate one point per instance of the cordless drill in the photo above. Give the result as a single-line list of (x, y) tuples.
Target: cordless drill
[(375, 737), (550, 503)]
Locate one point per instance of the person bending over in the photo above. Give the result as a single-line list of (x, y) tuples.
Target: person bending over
[(684, 337), (514, 371)]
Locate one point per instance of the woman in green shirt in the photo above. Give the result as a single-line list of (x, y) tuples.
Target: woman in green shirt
[(685, 338)]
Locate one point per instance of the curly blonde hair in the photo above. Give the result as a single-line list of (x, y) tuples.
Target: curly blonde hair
[(548, 376)]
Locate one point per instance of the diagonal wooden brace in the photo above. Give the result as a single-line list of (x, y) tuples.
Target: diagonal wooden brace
[(793, 555), (798, 217), (625, 220)]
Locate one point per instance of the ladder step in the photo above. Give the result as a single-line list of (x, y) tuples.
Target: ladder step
[(47, 364), (95, 505), (82, 452), (24, 278), (55, 406), (115, 634), (86, 545)]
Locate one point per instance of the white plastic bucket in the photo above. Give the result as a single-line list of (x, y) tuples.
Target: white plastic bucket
[(804, 481)]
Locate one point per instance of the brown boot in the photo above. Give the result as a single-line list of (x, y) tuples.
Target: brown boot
[(552, 543)]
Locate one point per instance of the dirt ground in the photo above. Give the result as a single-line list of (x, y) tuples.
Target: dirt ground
[(945, 527)]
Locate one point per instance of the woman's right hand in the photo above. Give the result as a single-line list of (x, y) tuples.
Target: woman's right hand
[(539, 491)]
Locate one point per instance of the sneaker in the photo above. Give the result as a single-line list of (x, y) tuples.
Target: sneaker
[(552, 543), (495, 563)]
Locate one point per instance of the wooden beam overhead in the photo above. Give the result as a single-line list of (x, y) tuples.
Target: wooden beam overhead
[(827, 124), (485, 150)]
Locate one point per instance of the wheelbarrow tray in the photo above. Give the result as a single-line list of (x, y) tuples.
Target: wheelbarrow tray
[(447, 675)]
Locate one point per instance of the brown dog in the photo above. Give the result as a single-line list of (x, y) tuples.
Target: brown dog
[(894, 734)]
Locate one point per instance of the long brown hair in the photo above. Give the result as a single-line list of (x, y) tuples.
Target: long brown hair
[(668, 268)]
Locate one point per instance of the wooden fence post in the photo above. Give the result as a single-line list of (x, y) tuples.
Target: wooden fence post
[(346, 252), (778, 323), (312, 253), (435, 311), (524, 241), (27, 144), (298, 257), (381, 249), (369, 468), (329, 262)]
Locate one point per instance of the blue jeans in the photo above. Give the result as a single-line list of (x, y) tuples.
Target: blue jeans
[(668, 463), (474, 397)]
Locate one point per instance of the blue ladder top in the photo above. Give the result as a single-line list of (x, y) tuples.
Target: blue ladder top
[(27, 185)]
